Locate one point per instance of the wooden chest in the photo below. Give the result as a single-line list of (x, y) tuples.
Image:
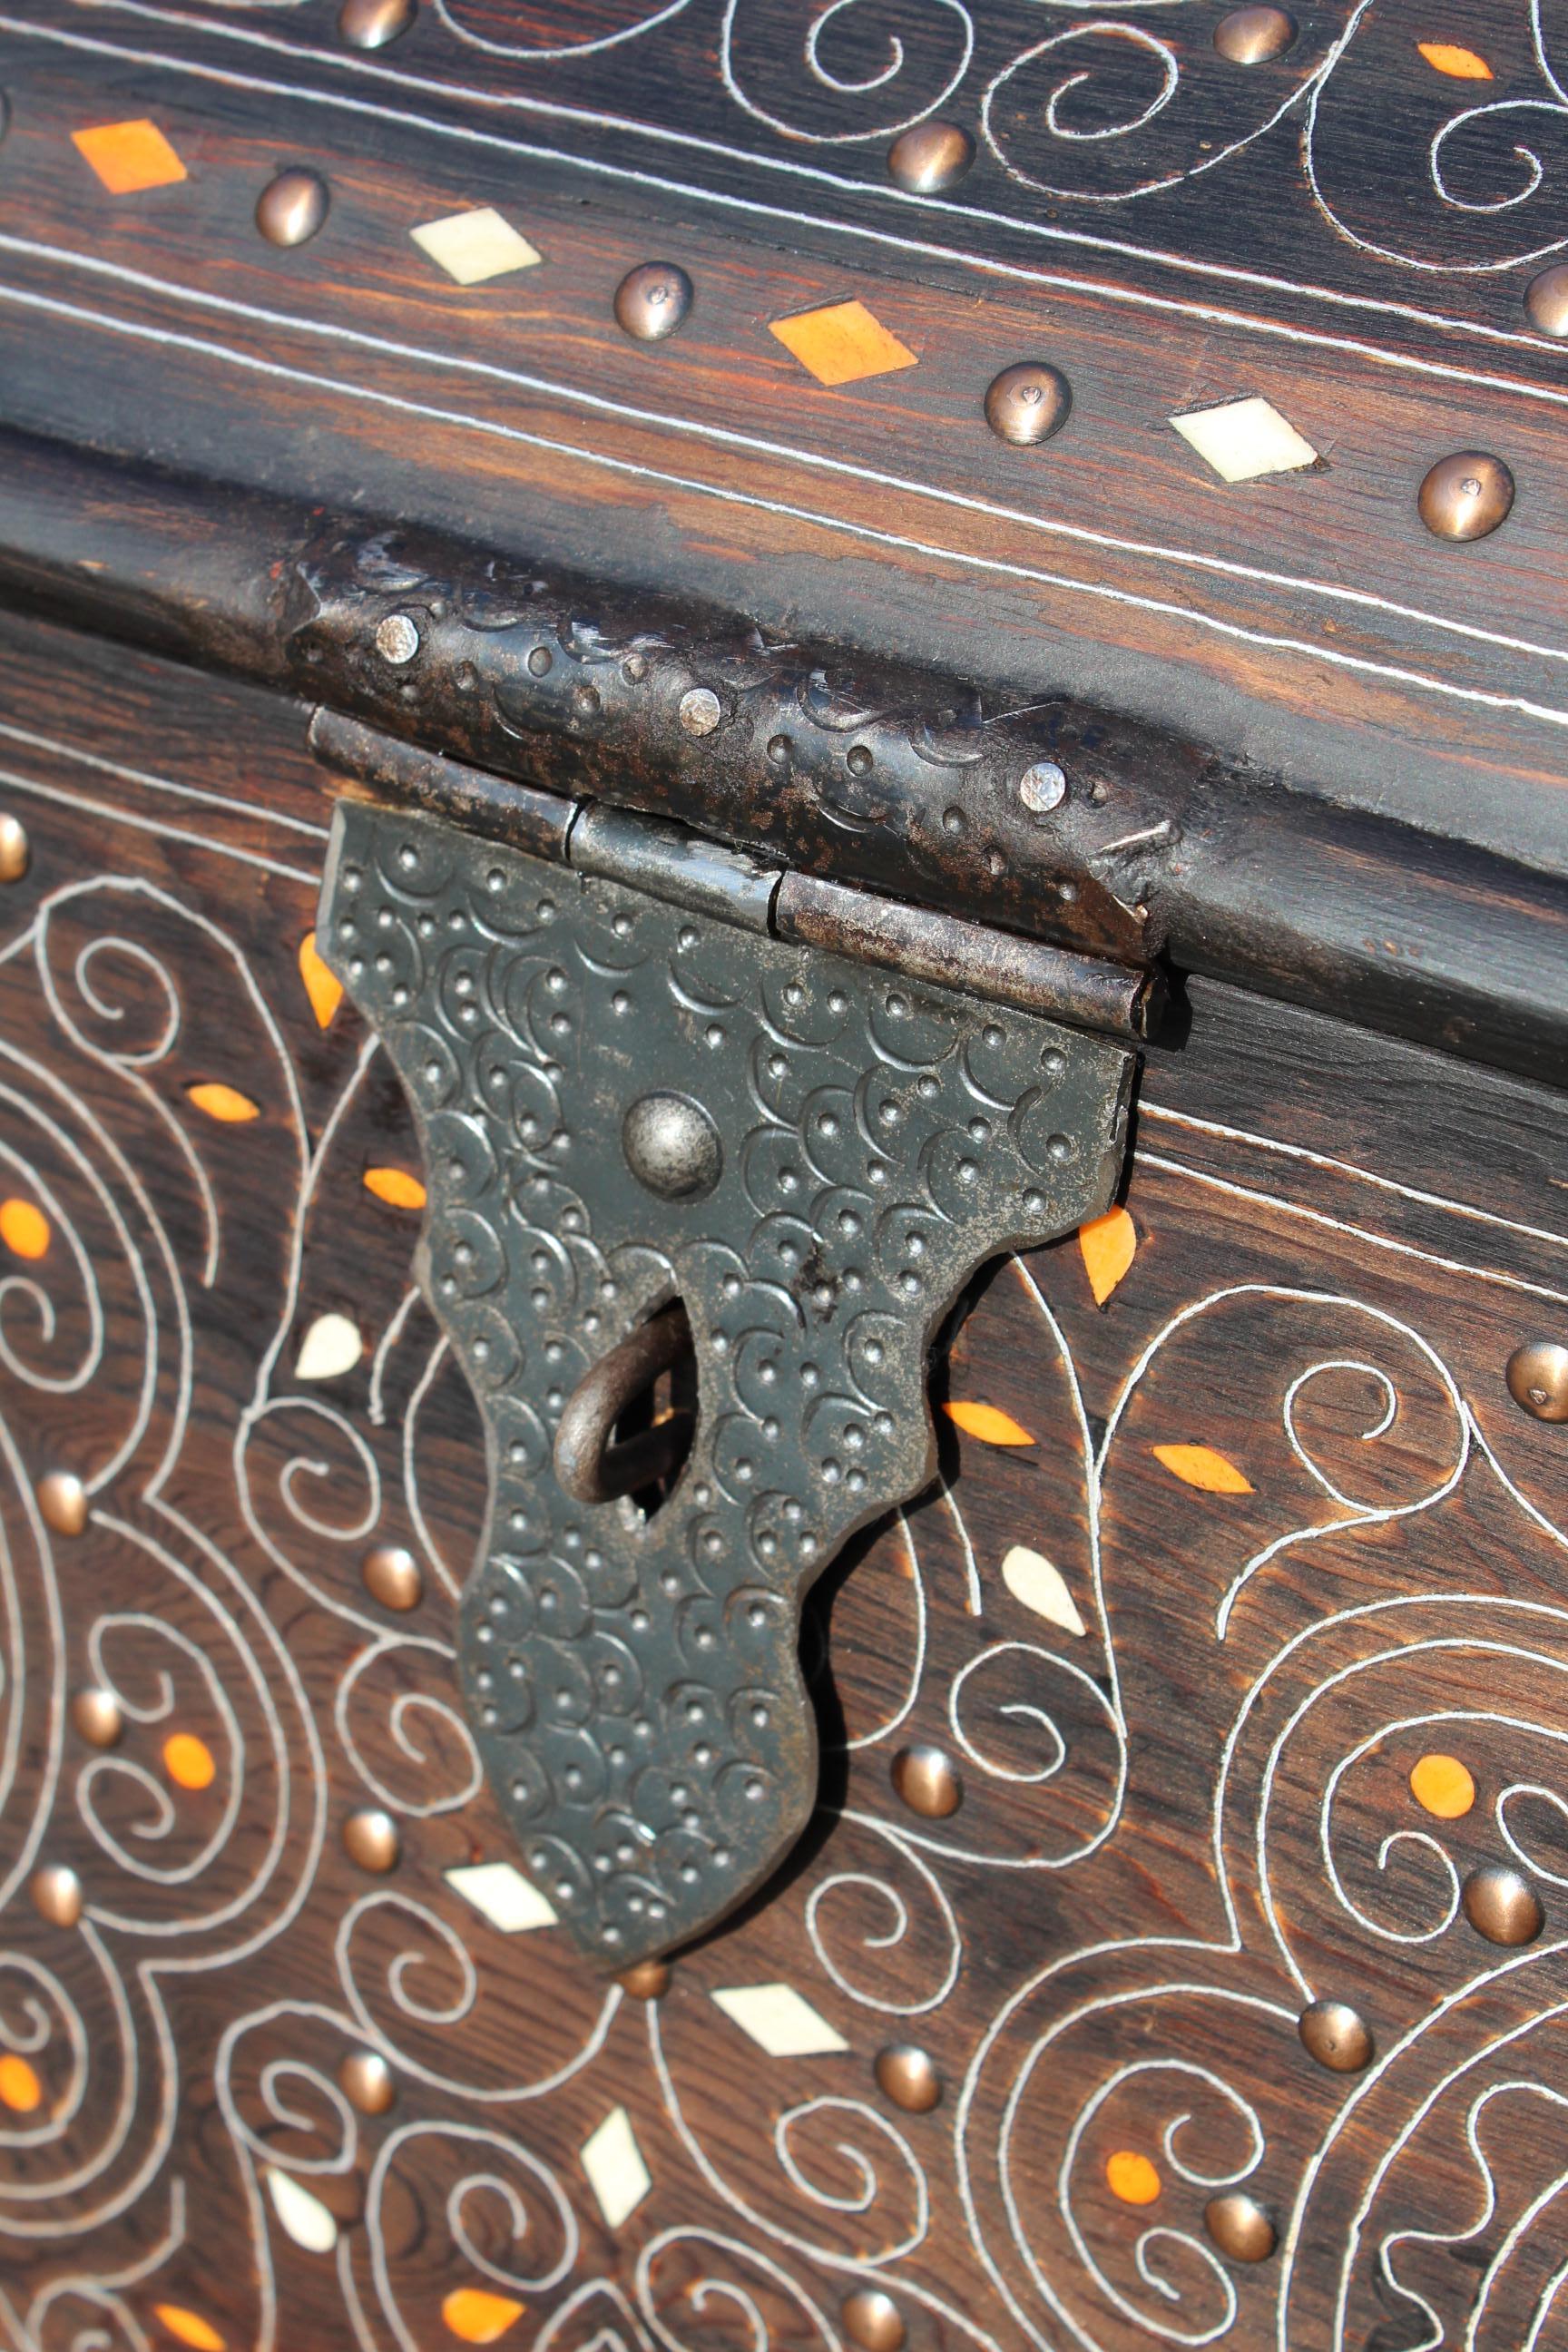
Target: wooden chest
[(783, 1213)]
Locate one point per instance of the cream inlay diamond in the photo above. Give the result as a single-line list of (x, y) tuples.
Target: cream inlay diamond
[(613, 2164), (475, 246), (1244, 438), (507, 1900), (780, 2020)]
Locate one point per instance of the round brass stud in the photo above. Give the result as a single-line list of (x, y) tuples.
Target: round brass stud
[(908, 2077), (650, 1980), (366, 2079), (928, 1782), (16, 850), (62, 1498), (371, 24), (1027, 404), (97, 1717), (1240, 2228), (873, 2321), (700, 710), (291, 208), (1546, 300), (1254, 36), (371, 1839), (1537, 1379), (930, 158), (1043, 787), (1502, 1906), (56, 1894), (397, 639), (1336, 2035), (672, 1147), (653, 301), (1465, 496), (392, 1577)]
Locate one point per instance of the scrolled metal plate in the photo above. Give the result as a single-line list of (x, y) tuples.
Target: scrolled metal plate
[(633, 1683)]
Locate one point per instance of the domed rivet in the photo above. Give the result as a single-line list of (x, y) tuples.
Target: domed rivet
[(672, 1147), (291, 208), (1043, 787), (366, 2079), (1028, 402), (873, 2321), (371, 1839), (371, 24), (16, 850), (650, 1980), (653, 301), (928, 1782), (1465, 496), (397, 639), (62, 1498), (1546, 300), (1240, 2228), (1336, 2035), (700, 710), (1502, 1906), (908, 2077), (1254, 36), (1537, 1379), (392, 1577), (930, 157), (97, 1717), (56, 1894)]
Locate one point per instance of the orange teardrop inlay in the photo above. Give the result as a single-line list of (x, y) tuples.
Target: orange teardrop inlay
[(189, 2327), (20, 2088), (1460, 64), (395, 1187), (1108, 1246), (988, 1423), (24, 1229), (1131, 2178), (226, 1103), (324, 988), (188, 1761), (1200, 1465), (478, 2317), (1442, 1787)]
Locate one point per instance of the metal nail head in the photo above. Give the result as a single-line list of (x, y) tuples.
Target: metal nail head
[(653, 301), (371, 24), (930, 157), (291, 208), (1537, 1379), (1254, 36), (1027, 404), (1465, 496)]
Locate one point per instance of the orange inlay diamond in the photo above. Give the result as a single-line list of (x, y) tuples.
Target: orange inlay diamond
[(1131, 2178), (323, 987), (1108, 1246), (129, 156), (189, 2327), (395, 1187), (986, 1422), (20, 2088), (188, 1761), (1201, 1466), (225, 1103), (1442, 1786), (1459, 65), (24, 1229), (842, 344), (477, 2316)]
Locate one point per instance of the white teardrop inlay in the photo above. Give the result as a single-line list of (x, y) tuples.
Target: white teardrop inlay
[(331, 1346), (304, 2217), (1032, 1579)]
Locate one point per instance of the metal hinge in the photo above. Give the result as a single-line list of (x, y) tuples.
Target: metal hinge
[(687, 869)]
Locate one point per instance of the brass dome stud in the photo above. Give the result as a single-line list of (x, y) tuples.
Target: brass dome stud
[(1546, 300), (908, 2077), (930, 158), (1027, 404), (650, 1980), (873, 2321), (1336, 2035), (292, 207), (1239, 2227), (928, 1782), (366, 2079), (371, 24), (653, 301), (393, 1576), (1501, 1905), (56, 1894), (1254, 36), (62, 1499), (1537, 1378), (371, 1839), (16, 850), (1465, 496), (97, 1717)]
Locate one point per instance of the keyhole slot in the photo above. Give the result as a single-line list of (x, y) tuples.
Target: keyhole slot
[(628, 1424)]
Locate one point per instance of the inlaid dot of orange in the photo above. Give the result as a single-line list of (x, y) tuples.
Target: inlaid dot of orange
[(188, 1761), (20, 2088), (1442, 1786), (24, 1228), (1131, 2177)]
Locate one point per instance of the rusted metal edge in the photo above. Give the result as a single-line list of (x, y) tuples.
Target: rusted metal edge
[(875, 774)]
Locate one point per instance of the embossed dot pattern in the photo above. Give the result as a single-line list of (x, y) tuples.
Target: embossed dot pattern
[(635, 1689)]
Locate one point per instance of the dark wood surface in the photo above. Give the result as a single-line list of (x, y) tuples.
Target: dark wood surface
[(1282, 231), (1179, 1823)]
